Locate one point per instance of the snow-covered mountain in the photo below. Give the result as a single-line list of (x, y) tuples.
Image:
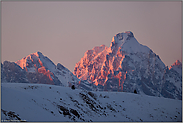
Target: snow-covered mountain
[(51, 103), (35, 89), (126, 66), (37, 68)]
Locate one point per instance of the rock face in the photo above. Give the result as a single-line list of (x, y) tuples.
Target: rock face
[(177, 66), (126, 66), (36, 68), (12, 73)]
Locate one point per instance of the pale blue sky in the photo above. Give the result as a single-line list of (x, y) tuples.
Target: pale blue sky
[(64, 31)]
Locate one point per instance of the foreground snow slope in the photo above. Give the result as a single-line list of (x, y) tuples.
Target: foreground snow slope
[(41, 102)]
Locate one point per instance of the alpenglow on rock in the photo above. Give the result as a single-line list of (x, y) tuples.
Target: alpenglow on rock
[(36, 68), (126, 66)]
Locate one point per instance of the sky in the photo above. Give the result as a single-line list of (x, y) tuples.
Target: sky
[(64, 31)]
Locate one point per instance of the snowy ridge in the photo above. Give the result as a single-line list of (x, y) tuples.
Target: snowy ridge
[(50, 103), (126, 66), (37, 68)]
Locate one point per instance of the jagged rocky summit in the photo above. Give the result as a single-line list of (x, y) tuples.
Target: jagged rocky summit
[(128, 65), (36, 68), (177, 66)]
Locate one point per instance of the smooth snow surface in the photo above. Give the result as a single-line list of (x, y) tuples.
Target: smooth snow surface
[(41, 102)]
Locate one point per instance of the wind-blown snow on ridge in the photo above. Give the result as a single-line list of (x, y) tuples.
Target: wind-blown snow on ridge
[(50, 103), (126, 66)]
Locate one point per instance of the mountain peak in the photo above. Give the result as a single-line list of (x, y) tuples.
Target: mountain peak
[(126, 66), (122, 36), (176, 63), (177, 66), (39, 53), (24, 62), (128, 43), (39, 69)]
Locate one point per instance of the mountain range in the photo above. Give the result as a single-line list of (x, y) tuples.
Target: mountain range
[(125, 66), (124, 82)]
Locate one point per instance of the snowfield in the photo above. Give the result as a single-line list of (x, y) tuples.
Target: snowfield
[(50, 103)]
